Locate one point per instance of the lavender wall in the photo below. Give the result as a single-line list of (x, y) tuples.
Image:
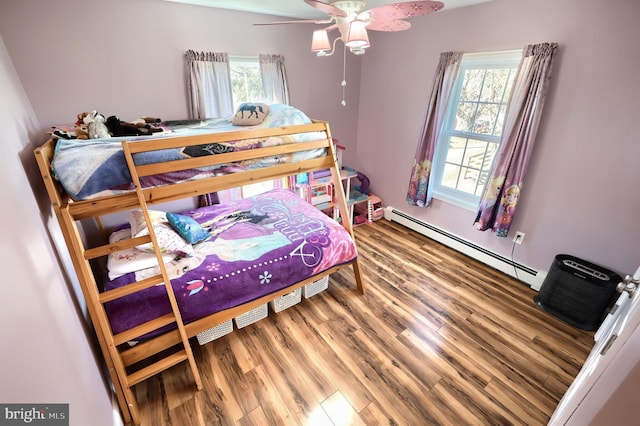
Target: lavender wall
[(47, 354), (581, 193), (126, 58)]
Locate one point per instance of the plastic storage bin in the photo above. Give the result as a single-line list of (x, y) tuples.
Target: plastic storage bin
[(252, 316), (286, 301), (215, 332), (577, 291), (316, 287)]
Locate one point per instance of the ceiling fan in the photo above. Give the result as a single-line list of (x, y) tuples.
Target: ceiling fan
[(352, 21)]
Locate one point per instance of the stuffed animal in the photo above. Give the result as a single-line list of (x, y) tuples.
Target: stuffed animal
[(123, 128), (145, 122), (81, 131), (96, 125), (80, 121)]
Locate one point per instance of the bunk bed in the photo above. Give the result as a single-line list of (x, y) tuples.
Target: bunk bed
[(144, 317)]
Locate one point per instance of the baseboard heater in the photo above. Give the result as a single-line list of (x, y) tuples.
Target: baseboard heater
[(517, 270)]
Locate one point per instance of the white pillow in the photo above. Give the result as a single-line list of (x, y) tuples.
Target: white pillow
[(130, 259), (168, 239)]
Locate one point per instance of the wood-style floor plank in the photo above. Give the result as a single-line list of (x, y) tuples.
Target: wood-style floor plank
[(438, 338)]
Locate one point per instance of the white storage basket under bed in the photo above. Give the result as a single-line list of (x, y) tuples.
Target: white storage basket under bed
[(286, 301), (252, 316), (315, 287), (215, 332)]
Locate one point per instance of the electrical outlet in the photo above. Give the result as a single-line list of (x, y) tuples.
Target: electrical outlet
[(519, 238)]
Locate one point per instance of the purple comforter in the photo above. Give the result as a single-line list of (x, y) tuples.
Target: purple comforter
[(261, 244)]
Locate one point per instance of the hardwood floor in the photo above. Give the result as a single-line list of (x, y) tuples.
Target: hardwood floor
[(438, 338)]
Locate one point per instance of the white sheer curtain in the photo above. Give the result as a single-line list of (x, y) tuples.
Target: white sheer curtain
[(274, 79), (209, 84)]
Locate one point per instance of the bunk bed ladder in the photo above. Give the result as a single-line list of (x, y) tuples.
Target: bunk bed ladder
[(174, 317)]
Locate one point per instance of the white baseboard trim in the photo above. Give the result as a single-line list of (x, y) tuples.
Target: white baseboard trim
[(530, 276)]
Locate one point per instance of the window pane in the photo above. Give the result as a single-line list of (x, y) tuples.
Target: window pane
[(456, 150), (486, 119), (472, 85), (246, 83), (492, 148), (475, 154), (500, 121), (465, 116), (450, 176), (494, 85), (469, 180)]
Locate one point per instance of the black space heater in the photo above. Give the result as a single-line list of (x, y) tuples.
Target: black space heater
[(577, 291)]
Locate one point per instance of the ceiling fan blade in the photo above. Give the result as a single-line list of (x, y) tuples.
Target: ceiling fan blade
[(299, 21), (390, 25), (326, 8), (402, 10)]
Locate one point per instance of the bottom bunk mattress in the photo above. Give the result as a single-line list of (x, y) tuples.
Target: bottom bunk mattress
[(254, 247)]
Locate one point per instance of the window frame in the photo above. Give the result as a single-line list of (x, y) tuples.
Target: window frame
[(482, 60)]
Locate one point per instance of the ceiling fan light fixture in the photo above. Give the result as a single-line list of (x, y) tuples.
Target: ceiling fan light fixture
[(357, 34), (320, 42)]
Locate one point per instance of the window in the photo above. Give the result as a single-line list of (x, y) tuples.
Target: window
[(246, 80), (472, 126), (246, 86)]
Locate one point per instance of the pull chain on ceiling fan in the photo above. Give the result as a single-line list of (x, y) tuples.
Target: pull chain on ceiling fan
[(352, 24)]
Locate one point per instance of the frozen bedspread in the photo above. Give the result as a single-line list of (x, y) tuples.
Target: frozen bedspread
[(97, 167), (260, 245)]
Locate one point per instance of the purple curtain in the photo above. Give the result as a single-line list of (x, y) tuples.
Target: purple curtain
[(518, 137), (419, 193)]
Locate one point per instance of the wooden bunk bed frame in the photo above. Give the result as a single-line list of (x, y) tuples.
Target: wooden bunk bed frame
[(119, 357)]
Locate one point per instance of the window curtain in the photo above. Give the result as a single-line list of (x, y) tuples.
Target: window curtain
[(274, 79), (209, 93), (419, 193), (518, 137), (208, 84)]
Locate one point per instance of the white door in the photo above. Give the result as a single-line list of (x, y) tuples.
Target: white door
[(614, 354)]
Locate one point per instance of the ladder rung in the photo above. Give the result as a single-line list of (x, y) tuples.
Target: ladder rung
[(128, 289), (143, 329), (144, 350), (106, 249), (157, 367)]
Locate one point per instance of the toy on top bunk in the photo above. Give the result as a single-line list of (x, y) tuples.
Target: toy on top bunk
[(96, 125), (140, 127), (93, 125)]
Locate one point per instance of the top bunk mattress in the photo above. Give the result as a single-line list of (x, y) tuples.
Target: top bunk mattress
[(97, 167)]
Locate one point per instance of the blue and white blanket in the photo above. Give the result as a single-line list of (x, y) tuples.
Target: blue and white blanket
[(97, 167)]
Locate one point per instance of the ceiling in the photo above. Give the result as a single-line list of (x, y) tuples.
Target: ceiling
[(298, 8)]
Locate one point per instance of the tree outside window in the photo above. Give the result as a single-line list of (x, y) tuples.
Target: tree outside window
[(246, 80)]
